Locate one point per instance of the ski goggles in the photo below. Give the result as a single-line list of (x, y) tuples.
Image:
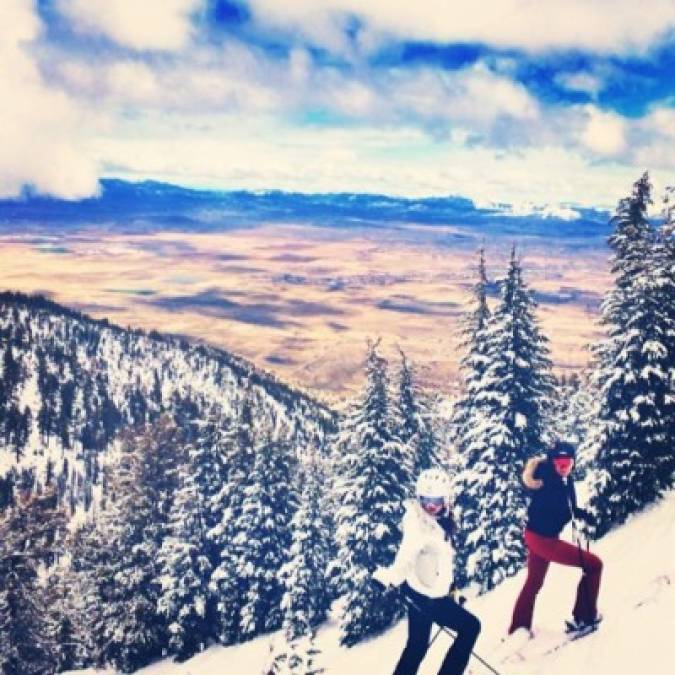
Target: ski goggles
[(432, 501)]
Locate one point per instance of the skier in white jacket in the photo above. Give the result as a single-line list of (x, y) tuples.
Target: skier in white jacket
[(423, 567)]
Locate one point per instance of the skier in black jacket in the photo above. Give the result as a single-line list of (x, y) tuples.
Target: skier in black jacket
[(552, 506)]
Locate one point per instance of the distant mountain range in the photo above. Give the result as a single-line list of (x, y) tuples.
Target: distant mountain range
[(150, 206)]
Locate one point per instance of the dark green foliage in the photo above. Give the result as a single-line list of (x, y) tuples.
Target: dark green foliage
[(119, 557), (187, 556), (633, 441), (415, 420), (30, 536), (373, 474), (501, 424), (306, 599), (228, 539), (270, 499)]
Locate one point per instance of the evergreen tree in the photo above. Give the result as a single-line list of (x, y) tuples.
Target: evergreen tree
[(415, 420), (209, 465), (298, 657), (474, 333), (228, 588), (634, 368), (304, 657), (29, 538), (664, 302), (373, 475), (89, 560), (66, 623), (466, 411), (306, 599), (573, 415), (509, 396), (120, 558), (185, 600), (269, 503)]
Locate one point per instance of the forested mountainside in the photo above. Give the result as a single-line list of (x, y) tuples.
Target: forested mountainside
[(70, 383)]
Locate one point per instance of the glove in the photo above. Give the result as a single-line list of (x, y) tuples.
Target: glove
[(383, 576), (457, 596)]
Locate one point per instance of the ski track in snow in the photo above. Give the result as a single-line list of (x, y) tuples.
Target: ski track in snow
[(637, 599)]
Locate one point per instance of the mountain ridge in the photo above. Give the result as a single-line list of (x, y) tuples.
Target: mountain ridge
[(134, 207), (70, 383)]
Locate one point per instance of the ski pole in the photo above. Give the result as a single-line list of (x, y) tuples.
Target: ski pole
[(451, 633), (433, 639)]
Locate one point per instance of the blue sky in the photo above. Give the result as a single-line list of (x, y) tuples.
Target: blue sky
[(556, 103)]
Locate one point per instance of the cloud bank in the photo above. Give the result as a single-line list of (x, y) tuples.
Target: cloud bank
[(40, 129), (497, 101)]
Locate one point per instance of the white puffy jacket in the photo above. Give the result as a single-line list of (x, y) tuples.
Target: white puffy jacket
[(424, 558)]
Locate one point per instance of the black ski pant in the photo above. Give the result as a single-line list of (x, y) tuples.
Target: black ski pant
[(422, 613)]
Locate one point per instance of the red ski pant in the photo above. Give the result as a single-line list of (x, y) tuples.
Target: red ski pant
[(545, 550)]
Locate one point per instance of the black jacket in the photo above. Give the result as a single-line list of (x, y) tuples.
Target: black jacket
[(553, 504)]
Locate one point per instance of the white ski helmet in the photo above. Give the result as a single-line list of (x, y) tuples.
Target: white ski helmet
[(433, 483)]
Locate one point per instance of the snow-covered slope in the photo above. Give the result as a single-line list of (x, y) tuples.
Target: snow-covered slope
[(69, 383), (637, 599)]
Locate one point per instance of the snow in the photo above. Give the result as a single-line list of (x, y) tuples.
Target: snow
[(637, 599)]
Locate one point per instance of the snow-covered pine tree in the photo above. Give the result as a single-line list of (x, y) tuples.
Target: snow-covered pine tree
[(304, 657), (228, 540), (185, 601), (65, 620), (306, 598), (88, 563), (119, 557), (474, 334), (505, 425), (30, 534), (208, 458), (298, 657), (415, 420), (270, 500), (572, 415), (475, 340), (373, 479), (634, 366), (664, 282)]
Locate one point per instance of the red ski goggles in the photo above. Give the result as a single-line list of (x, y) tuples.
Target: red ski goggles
[(563, 463), (436, 502)]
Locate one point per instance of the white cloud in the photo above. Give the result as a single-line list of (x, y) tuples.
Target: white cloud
[(230, 79), (486, 95), (132, 81), (661, 121), (580, 81), (608, 26), (236, 77), (231, 116), (241, 151), (40, 130), (139, 24), (604, 132)]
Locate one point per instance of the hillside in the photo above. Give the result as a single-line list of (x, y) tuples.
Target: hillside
[(70, 383), (637, 599)]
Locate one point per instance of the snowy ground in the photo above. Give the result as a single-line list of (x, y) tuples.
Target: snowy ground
[(637, 599)]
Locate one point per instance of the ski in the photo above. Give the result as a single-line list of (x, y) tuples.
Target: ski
[(572, 636)]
